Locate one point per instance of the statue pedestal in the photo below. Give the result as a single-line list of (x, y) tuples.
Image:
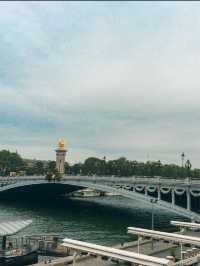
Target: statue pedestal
[(60, 160)]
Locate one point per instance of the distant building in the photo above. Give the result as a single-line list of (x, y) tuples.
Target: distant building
[(12, 174), (21, 173)]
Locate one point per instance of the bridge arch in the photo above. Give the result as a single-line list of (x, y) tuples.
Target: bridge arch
[(36, 190), (69, 184)]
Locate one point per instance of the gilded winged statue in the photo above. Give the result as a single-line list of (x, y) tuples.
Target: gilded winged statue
[(61, 143)]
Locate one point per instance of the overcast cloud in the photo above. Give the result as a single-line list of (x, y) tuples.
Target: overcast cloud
[(114, 79)]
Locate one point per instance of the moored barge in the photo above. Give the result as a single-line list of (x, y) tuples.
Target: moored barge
[(16, 252)]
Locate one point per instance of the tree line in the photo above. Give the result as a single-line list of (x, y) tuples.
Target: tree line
[(13, 162), (125, 167), (10, 162)]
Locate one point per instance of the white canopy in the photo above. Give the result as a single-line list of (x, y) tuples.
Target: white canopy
[(11, 228), (120, 254)]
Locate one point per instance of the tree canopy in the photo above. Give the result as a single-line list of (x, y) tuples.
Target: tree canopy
[(125, 167), (12, 161)]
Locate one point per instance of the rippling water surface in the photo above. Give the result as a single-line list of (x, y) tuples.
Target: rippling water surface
[(102, 220)]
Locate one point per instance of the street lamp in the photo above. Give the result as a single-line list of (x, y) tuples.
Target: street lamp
[(182, 159), (188, 166), (152, 212), (153, 201), (182, 163)]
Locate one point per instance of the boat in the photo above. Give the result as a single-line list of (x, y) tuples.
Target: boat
[(18, 258), (16, 251), (87, 192)]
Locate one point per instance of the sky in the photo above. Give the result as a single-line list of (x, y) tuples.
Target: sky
[(112, 78)]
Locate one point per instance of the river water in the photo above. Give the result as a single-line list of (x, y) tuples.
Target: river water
[(102, 220)]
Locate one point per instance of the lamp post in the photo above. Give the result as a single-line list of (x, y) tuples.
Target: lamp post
[(188, 166), (182, 159), (152, 217), (182, 163)]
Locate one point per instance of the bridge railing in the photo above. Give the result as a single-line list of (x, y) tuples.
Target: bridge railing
[(113, 179), (135, 180)]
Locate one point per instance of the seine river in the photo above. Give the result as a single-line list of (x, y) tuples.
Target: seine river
[(102, 220)]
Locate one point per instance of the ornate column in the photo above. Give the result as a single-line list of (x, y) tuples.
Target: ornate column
[(60, 157)]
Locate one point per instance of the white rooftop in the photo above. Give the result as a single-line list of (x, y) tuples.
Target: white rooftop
[(110, 252), (171, 237), (11, 228), (186, 224)]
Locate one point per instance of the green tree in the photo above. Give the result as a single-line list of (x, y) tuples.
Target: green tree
[(51, 166), (92, 166), (76, 169), (10, 162), (39, 168)]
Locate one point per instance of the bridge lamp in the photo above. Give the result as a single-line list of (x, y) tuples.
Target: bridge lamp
[(153, 201), (188, 166), (152, 212), (182, 158)]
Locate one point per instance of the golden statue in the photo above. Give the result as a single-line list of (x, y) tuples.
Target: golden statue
[(61, 143)]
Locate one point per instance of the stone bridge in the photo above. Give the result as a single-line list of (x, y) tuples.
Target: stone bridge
[(162, 192)]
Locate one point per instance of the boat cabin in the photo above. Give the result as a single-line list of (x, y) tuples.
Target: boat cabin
[(16, 251)]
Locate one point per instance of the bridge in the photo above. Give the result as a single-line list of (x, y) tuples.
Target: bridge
[(162, 192)]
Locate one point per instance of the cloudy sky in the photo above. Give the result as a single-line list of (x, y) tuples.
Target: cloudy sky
[(113, 79)]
